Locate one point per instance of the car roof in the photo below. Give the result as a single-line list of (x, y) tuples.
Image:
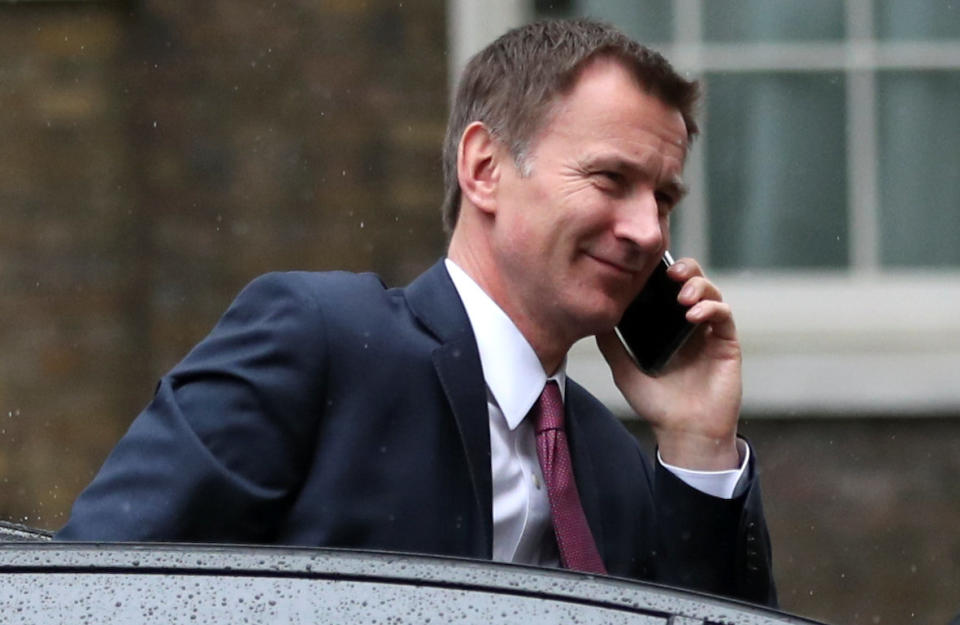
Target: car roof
[(117, 582)]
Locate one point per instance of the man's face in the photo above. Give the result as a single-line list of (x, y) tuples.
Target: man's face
[(576, 239)]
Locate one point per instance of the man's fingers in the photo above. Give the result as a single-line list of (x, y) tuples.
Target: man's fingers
[(696, 286), (717, 314), (696, 289), (684, 269)]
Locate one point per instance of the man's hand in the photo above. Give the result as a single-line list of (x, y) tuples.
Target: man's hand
[(693, 405)]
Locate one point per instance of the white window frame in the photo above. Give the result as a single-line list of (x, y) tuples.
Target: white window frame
[(863, 341)]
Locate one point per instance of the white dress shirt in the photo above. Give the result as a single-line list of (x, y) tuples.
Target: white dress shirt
[(514, 377)]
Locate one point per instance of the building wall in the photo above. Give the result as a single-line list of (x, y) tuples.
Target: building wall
[(863, 515), (155, 157)]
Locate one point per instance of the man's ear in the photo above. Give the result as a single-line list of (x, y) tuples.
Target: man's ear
[(478, 166)]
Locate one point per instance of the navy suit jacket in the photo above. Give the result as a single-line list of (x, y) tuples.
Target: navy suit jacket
[(327, 410)]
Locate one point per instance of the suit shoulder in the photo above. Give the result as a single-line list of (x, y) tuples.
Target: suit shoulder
[(596, 415), (312, 290), (585, 400), (309, 284), (302, 298)]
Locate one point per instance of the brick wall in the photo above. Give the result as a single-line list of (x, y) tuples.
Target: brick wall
[(155, 157), (862, 514)]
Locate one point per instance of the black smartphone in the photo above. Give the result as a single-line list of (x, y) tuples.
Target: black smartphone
[(654, 325)]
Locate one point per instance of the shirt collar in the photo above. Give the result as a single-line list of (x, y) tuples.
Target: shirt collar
[(511, 369)]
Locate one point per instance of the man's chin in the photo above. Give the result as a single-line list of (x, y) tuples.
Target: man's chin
[(601, 319)]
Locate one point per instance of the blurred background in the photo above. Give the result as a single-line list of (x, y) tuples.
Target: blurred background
[(155, 156)]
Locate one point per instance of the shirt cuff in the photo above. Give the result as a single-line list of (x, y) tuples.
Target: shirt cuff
[(717, 483)]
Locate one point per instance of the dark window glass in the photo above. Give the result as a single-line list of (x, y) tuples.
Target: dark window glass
[(648, 21), (776, 170), (762, 20), (919, 131), (917, 19)]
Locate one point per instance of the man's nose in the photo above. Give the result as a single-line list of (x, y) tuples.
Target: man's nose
[(638, 221)]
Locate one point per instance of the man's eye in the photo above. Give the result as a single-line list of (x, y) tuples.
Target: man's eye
[(612, 177), (665, 201)]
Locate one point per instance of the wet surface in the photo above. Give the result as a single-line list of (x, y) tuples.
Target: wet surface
[(56, 582)]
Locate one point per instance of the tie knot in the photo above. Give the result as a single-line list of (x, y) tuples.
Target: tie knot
[(549, 408)]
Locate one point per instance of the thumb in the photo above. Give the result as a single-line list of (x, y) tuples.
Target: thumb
[(615, 354)]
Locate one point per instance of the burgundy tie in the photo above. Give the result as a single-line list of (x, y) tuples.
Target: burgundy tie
[(577, 548)]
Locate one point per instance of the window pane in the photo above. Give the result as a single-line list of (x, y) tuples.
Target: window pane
[(917, 19), (647, 21), (776, 170), (762, 20), (919, 131)]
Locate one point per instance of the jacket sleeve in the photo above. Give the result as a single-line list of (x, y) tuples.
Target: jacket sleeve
[(715, 545), (219, 452)]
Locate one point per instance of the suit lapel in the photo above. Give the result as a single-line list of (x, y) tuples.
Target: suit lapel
[(434, 301), (578, 434)]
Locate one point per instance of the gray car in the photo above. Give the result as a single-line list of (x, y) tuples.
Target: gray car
[(48, 582)]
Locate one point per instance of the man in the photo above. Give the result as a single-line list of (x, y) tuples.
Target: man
[(324, 409)]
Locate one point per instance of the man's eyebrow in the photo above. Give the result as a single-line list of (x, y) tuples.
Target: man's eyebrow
[(678, 188)]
